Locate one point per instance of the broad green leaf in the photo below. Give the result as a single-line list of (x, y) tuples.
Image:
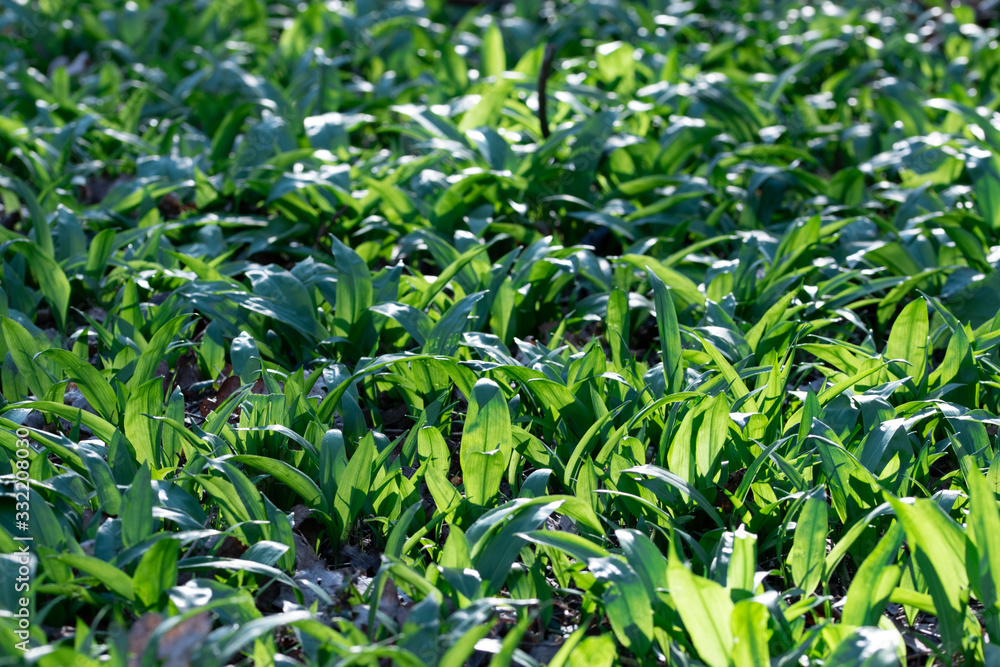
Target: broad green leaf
[(495, 559), (626, 601), (464, 646), (23, 348), (699, 442), (486, 114), (281, 296), (283, 472), (645, 558), (245, 357), (145, 401), (156, 572), (868, 647), (354, 486), (354, 290), (433, 450), (494, 58), (683, 289), (280, 530), (39, 220), (103, 481), (670, 336), (750, 636), (394, 545), (984, 169), (446, 333), (939, 549), (807, 557), (93, 385), (908, 341), (875, 580), (137, 509), (415, 322), (107, 574), (50, 277), (482, 474), (681, 485), (487, 442), (704, 607), (153, 355), (735, 382), (983, 558)]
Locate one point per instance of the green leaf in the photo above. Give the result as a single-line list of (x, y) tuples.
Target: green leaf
[(494, 58), (867, 647), (93, 385), (444, 337), (151, 357), (807, 557), (983, 557), (618, 329), (39, 221), (354, 291), (984, 169), (296, 480), (736, 384), (585, 447), (699, 442), (939, 549), (626, 601), (487, 442), (750, 636), (102, 246), (704, 607), (645, 558), (670, 336), (683, 289), (433, 450), (396, 203), (107, 574), (463, 648), (908, 341), (145, 399), (137, 510), (482, 474), (50, 277), (681, 485), (875, 580), (599, 651), (103, 481), (415, 322), (397, 537), (505, 656), (353, 487), (245, 357), (246, 633), (101, 428), (156, 572), (280, 295), (446, 497), (23, 348), (495, 559), (228, 130), (486, 114)]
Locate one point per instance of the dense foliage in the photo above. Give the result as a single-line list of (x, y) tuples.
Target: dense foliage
[(444, 333)]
